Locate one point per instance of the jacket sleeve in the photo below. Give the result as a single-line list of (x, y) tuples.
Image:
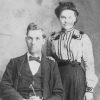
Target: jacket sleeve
[(8, 91), (88, 57), (57, 88)]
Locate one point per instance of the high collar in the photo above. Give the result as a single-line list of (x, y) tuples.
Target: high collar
[(75, 33), (68, 30)]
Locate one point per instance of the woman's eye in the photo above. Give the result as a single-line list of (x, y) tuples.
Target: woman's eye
[(69, 17), (62, 17)]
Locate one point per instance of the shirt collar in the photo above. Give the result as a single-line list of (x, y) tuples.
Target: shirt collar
[(28, 55)]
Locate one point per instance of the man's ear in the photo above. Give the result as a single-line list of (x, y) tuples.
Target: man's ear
[(26, 39)]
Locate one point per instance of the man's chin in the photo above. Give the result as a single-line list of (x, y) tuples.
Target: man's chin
[(34, 52)]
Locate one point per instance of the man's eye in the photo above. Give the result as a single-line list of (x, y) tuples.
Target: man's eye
[(29, 38), (37, 38)]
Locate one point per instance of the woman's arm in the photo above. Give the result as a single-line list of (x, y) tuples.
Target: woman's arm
[(89, 62), (88, 58)]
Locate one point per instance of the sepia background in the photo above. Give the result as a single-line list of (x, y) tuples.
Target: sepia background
[(15, 15)]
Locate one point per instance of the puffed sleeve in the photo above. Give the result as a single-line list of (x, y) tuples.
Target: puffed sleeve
[(88, 57)]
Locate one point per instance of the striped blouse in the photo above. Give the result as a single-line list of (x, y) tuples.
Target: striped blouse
[(74, 45)]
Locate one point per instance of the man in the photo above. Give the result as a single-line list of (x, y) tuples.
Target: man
[(32, 76)]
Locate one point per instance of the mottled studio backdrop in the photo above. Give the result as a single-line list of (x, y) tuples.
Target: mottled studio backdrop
[(15, 15)]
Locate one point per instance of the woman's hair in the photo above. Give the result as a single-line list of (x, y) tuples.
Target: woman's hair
[(65, 5), (33, 26)]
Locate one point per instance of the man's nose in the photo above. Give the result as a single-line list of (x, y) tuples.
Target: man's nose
[(33, 41)]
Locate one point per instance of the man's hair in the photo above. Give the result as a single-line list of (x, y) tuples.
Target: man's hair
[(33, 26)]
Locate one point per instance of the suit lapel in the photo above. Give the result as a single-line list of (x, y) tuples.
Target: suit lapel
[(23, 62), (20, 63)]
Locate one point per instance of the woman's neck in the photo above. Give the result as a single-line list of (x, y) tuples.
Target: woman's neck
[(70, 30)]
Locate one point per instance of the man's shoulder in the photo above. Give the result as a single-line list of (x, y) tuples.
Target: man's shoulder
[(49, 63), (21, 57)]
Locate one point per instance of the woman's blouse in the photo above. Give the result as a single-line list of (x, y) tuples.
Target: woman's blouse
[(74, 45)]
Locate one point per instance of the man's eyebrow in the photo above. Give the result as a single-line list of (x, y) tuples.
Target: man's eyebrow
[(29, 37), (62, 16)]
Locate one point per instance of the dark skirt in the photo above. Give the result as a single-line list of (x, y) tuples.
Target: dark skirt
[(73, 79)]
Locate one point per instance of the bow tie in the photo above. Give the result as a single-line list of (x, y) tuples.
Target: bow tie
[(34, 58)]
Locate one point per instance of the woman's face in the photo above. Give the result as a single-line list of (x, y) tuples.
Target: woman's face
[(67, 19)]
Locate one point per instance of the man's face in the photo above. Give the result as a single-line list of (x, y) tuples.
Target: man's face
[(67, 19), (34, 41)]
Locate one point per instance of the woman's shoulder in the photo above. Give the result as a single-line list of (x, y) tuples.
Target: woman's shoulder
[(80, 35), (85, 36), (86, 39), (77, 34), (55, 35)]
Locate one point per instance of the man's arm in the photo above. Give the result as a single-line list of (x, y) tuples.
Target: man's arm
[(57, 89), (8, 91)]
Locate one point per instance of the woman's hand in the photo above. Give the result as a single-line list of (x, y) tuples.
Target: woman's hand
[(89, 96), (51, 58), (35, 98)]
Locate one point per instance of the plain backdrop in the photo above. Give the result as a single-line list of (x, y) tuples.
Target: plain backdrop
[(15, 15)]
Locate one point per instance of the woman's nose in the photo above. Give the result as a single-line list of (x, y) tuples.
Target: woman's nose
[(65, 20)]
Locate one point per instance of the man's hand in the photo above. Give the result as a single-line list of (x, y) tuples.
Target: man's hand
[(89, 96)]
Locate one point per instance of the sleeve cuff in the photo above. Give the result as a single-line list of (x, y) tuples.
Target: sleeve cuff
[(89, 89)]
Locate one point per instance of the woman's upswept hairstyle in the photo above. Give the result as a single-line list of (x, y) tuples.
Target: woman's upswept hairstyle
[(65, 5)]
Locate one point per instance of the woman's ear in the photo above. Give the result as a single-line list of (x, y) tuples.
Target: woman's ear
[(76, 19)]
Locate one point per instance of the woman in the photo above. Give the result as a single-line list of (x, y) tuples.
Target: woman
[(73, 51)]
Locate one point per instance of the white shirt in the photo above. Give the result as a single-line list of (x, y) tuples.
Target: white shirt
[(34, 65)]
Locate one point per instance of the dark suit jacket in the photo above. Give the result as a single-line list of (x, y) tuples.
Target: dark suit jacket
[(52, 86)]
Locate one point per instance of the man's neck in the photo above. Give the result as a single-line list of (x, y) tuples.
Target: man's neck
[(36, 54)]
